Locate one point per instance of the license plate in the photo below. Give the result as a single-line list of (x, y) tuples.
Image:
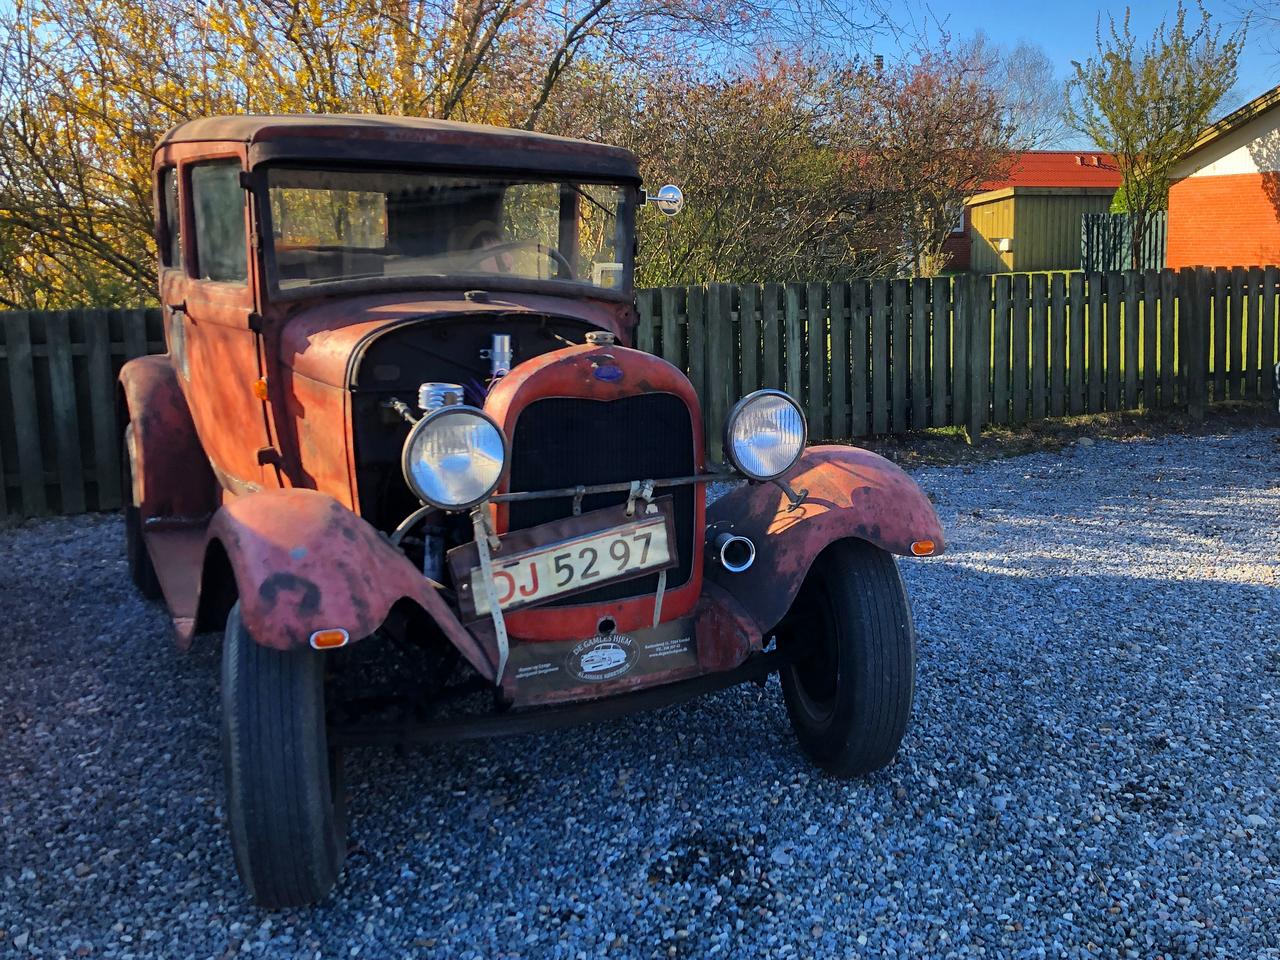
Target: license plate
[(580, 563)]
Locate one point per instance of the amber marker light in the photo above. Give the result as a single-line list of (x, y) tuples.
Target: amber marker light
[(260, 388), (330, 639), (923, 548)]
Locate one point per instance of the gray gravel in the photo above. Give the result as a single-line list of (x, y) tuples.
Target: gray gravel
[(1091, 769)]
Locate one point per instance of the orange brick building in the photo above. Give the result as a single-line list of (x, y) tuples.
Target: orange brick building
[(1224, 197)]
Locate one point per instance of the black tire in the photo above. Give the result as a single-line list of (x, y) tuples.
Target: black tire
[(141, 570), (849, 685), (285, 807)]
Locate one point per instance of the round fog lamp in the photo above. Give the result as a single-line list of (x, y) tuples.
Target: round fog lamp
[(453, 457), (765, 434)]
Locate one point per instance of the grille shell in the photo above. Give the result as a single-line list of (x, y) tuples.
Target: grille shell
[(567, 441)]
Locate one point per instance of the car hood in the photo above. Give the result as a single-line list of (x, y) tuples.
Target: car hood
[(317, 341)]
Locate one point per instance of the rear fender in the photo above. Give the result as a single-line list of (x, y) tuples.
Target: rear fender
[(172, 478), (303, 562), (852, 493)]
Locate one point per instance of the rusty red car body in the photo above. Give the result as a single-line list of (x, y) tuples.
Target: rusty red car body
[(258, 445)]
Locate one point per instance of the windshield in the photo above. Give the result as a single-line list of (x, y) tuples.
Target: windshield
[(330, 226)]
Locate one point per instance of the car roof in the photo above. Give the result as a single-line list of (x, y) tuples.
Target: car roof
[(413, 140)]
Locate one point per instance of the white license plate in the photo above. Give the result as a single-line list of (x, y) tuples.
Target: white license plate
[(576, 564)]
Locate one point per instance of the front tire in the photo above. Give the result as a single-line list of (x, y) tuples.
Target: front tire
[(851, 676), (284, 800)]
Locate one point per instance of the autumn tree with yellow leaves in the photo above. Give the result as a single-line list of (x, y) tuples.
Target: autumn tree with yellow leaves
[(768, 150)]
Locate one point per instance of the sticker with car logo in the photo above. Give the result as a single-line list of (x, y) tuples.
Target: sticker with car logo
[(546, 672), (602, 657)]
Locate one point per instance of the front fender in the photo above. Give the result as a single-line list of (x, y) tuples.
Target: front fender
[(302, 562), (852, 493)]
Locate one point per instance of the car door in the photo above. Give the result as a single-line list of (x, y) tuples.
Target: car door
[(209, 310)]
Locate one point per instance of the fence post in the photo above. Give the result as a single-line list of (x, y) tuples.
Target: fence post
[(719, 347), (1270, 279), (961, 317), (979, 304), (26, 424), (645, 321), (1193, 304)]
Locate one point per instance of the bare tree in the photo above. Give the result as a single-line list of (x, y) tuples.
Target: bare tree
[(1146, 103), (936, 132), (1263, 20), (1033, 93)]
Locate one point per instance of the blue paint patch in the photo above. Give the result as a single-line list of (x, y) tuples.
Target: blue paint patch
[(297, 553), (608, 373)]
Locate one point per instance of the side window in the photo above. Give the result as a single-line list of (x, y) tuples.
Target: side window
[(171, 216), (218, 202)]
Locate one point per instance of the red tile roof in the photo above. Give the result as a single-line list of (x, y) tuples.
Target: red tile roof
[(1059, 168)]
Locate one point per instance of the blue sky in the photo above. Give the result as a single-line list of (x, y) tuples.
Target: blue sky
[(1066, 30)]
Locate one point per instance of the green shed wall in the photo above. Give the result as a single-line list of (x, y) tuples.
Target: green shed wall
[(1045, 228), (1049, 230), (989, 221)]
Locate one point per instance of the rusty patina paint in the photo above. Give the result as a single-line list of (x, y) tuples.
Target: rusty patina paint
[(282, 468), (303, 563), (404, 140), (726, 633), (310, 353), (852, 493), (725, 637), (171, 472), (570, 373)]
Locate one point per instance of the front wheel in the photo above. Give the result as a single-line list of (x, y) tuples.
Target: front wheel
[(284, 799), (851, 673)]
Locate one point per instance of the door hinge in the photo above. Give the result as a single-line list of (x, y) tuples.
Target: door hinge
[(246, 179), (255, 322), (268, 457)]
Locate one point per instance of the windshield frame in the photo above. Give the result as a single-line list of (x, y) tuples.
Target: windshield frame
[(578, 289)]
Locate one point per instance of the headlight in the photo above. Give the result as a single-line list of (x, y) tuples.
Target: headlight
[(764, 434), (453, 457)]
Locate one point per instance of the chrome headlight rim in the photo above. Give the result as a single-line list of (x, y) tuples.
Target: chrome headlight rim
[(738, 408), (434, 417)]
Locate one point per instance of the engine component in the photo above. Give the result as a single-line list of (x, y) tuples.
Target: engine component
[(433, 396), (500, 356)]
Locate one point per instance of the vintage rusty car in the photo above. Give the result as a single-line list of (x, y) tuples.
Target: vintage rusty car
[(402, 453)]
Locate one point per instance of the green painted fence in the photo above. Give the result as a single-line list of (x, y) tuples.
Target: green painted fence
[(863, 357), (888, 356), (1106, 241)]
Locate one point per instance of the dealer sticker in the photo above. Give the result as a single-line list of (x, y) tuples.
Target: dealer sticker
[(602, 657), (556, 670)]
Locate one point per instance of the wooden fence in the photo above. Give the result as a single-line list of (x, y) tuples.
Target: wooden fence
[(887, 356), (862, 357), (59, 440), (1105, 240)]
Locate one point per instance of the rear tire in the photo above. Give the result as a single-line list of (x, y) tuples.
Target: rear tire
[(141, 571), (285, 807), (849, 685)]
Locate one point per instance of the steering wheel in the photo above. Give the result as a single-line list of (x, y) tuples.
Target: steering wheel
[(556, 256)]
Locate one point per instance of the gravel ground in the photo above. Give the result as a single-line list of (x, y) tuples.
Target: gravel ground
[(1091, 769)]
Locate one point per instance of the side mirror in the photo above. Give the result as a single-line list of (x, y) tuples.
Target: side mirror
[(669, 199)]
